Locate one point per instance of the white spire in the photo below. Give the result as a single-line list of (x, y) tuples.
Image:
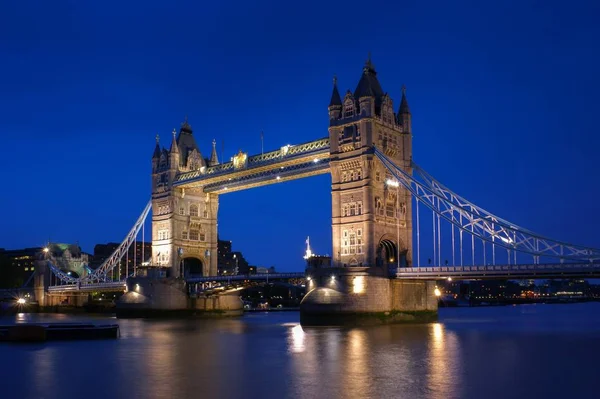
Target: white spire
[(308, 253)]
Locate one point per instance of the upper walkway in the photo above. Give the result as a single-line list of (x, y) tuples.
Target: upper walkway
[(290, 162)]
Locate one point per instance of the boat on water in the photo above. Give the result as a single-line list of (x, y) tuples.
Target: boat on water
[(40, 332)]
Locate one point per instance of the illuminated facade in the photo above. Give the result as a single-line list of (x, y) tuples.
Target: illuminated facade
[(184, 220), (371, 214), (371, 220)]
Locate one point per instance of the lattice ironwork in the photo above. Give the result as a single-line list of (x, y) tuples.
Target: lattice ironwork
[(100, 275), (255, 161), (480, 223), (270, 175)]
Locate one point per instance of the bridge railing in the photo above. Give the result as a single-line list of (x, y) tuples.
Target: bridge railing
[(242, 277)]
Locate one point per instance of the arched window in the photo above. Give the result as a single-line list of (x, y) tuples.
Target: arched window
[(193, 210), (194, 235)]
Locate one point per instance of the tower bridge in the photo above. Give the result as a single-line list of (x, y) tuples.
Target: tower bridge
[(384, 205)]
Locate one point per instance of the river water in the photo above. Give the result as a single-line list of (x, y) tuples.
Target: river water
[(527, 351)]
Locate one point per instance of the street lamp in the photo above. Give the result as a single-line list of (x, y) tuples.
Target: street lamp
[(181, 265), (236, 263), (394, 183)]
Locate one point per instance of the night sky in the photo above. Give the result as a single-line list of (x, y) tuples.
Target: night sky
[(504, 100)]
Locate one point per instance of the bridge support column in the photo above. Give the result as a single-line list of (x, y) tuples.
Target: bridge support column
[(342, 296), (41, 281)]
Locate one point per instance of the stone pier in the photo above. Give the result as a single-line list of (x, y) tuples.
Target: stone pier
[(359, 296), (168, 297)]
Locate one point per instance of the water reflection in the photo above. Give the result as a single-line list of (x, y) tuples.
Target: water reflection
[(271, 355), (296, 339)]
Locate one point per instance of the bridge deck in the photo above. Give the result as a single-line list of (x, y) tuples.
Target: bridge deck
[(506, 272)]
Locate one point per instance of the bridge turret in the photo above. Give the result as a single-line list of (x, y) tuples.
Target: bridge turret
[(371, 220), (404, 116), (214, 160), (156, 155), (335, 104)]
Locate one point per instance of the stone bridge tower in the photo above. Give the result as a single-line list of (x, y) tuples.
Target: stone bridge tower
[(184, 221), (371, 223)]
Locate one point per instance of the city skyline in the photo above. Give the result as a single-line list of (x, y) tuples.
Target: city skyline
[(82, 114)]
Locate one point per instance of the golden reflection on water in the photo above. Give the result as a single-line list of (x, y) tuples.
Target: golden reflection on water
[(443, 356), (296, 339)]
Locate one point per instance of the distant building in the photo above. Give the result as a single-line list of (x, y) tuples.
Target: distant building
[(230, 262), (265, 270), (139, 253), (318, 261), (70, 258), (17, 265)]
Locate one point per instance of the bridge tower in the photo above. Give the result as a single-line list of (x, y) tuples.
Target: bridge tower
[(184, 221), (371, 223)]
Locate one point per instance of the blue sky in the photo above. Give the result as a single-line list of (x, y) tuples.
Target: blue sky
[(504, 102)]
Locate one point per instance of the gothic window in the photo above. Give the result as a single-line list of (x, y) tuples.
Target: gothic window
[(202, 236), (349, 107), (389, 210), (359, 174), (184, 235), (345, 233), (193, 210), (352, 209), (163, 234), (377, 176), (344, 210), (359, 208), (194, 235), (182, 210), (205, 213), (352, 245)]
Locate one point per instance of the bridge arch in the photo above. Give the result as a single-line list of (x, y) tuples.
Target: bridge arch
[(192, 266), (387, 252)]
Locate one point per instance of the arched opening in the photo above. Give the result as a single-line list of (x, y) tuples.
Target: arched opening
[(192, 267), (387, 254)]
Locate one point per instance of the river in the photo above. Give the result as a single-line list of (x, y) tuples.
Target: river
[(526, 351)]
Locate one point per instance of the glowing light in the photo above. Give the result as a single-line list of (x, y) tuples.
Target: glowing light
[(278, 177), (296, 339), (308, 278), (46, 249), (308, 253), (21, 301), (137, 287), (225, 188), (359, 285), (437, 292), (315, 160), (449, 278), (332, 278), (506, 240), (392, 183)]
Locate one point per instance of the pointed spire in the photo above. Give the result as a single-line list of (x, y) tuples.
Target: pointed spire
[(369, 68), (368, 85), (157, 148), (174, 147), (185, 126), (404, 109), (213, 157), (335, 95)]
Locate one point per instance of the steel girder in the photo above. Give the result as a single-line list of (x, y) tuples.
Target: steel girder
[(480, 223)]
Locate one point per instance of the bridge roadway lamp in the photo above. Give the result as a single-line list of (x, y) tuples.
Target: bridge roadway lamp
[(396, 184), (181, 265)]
